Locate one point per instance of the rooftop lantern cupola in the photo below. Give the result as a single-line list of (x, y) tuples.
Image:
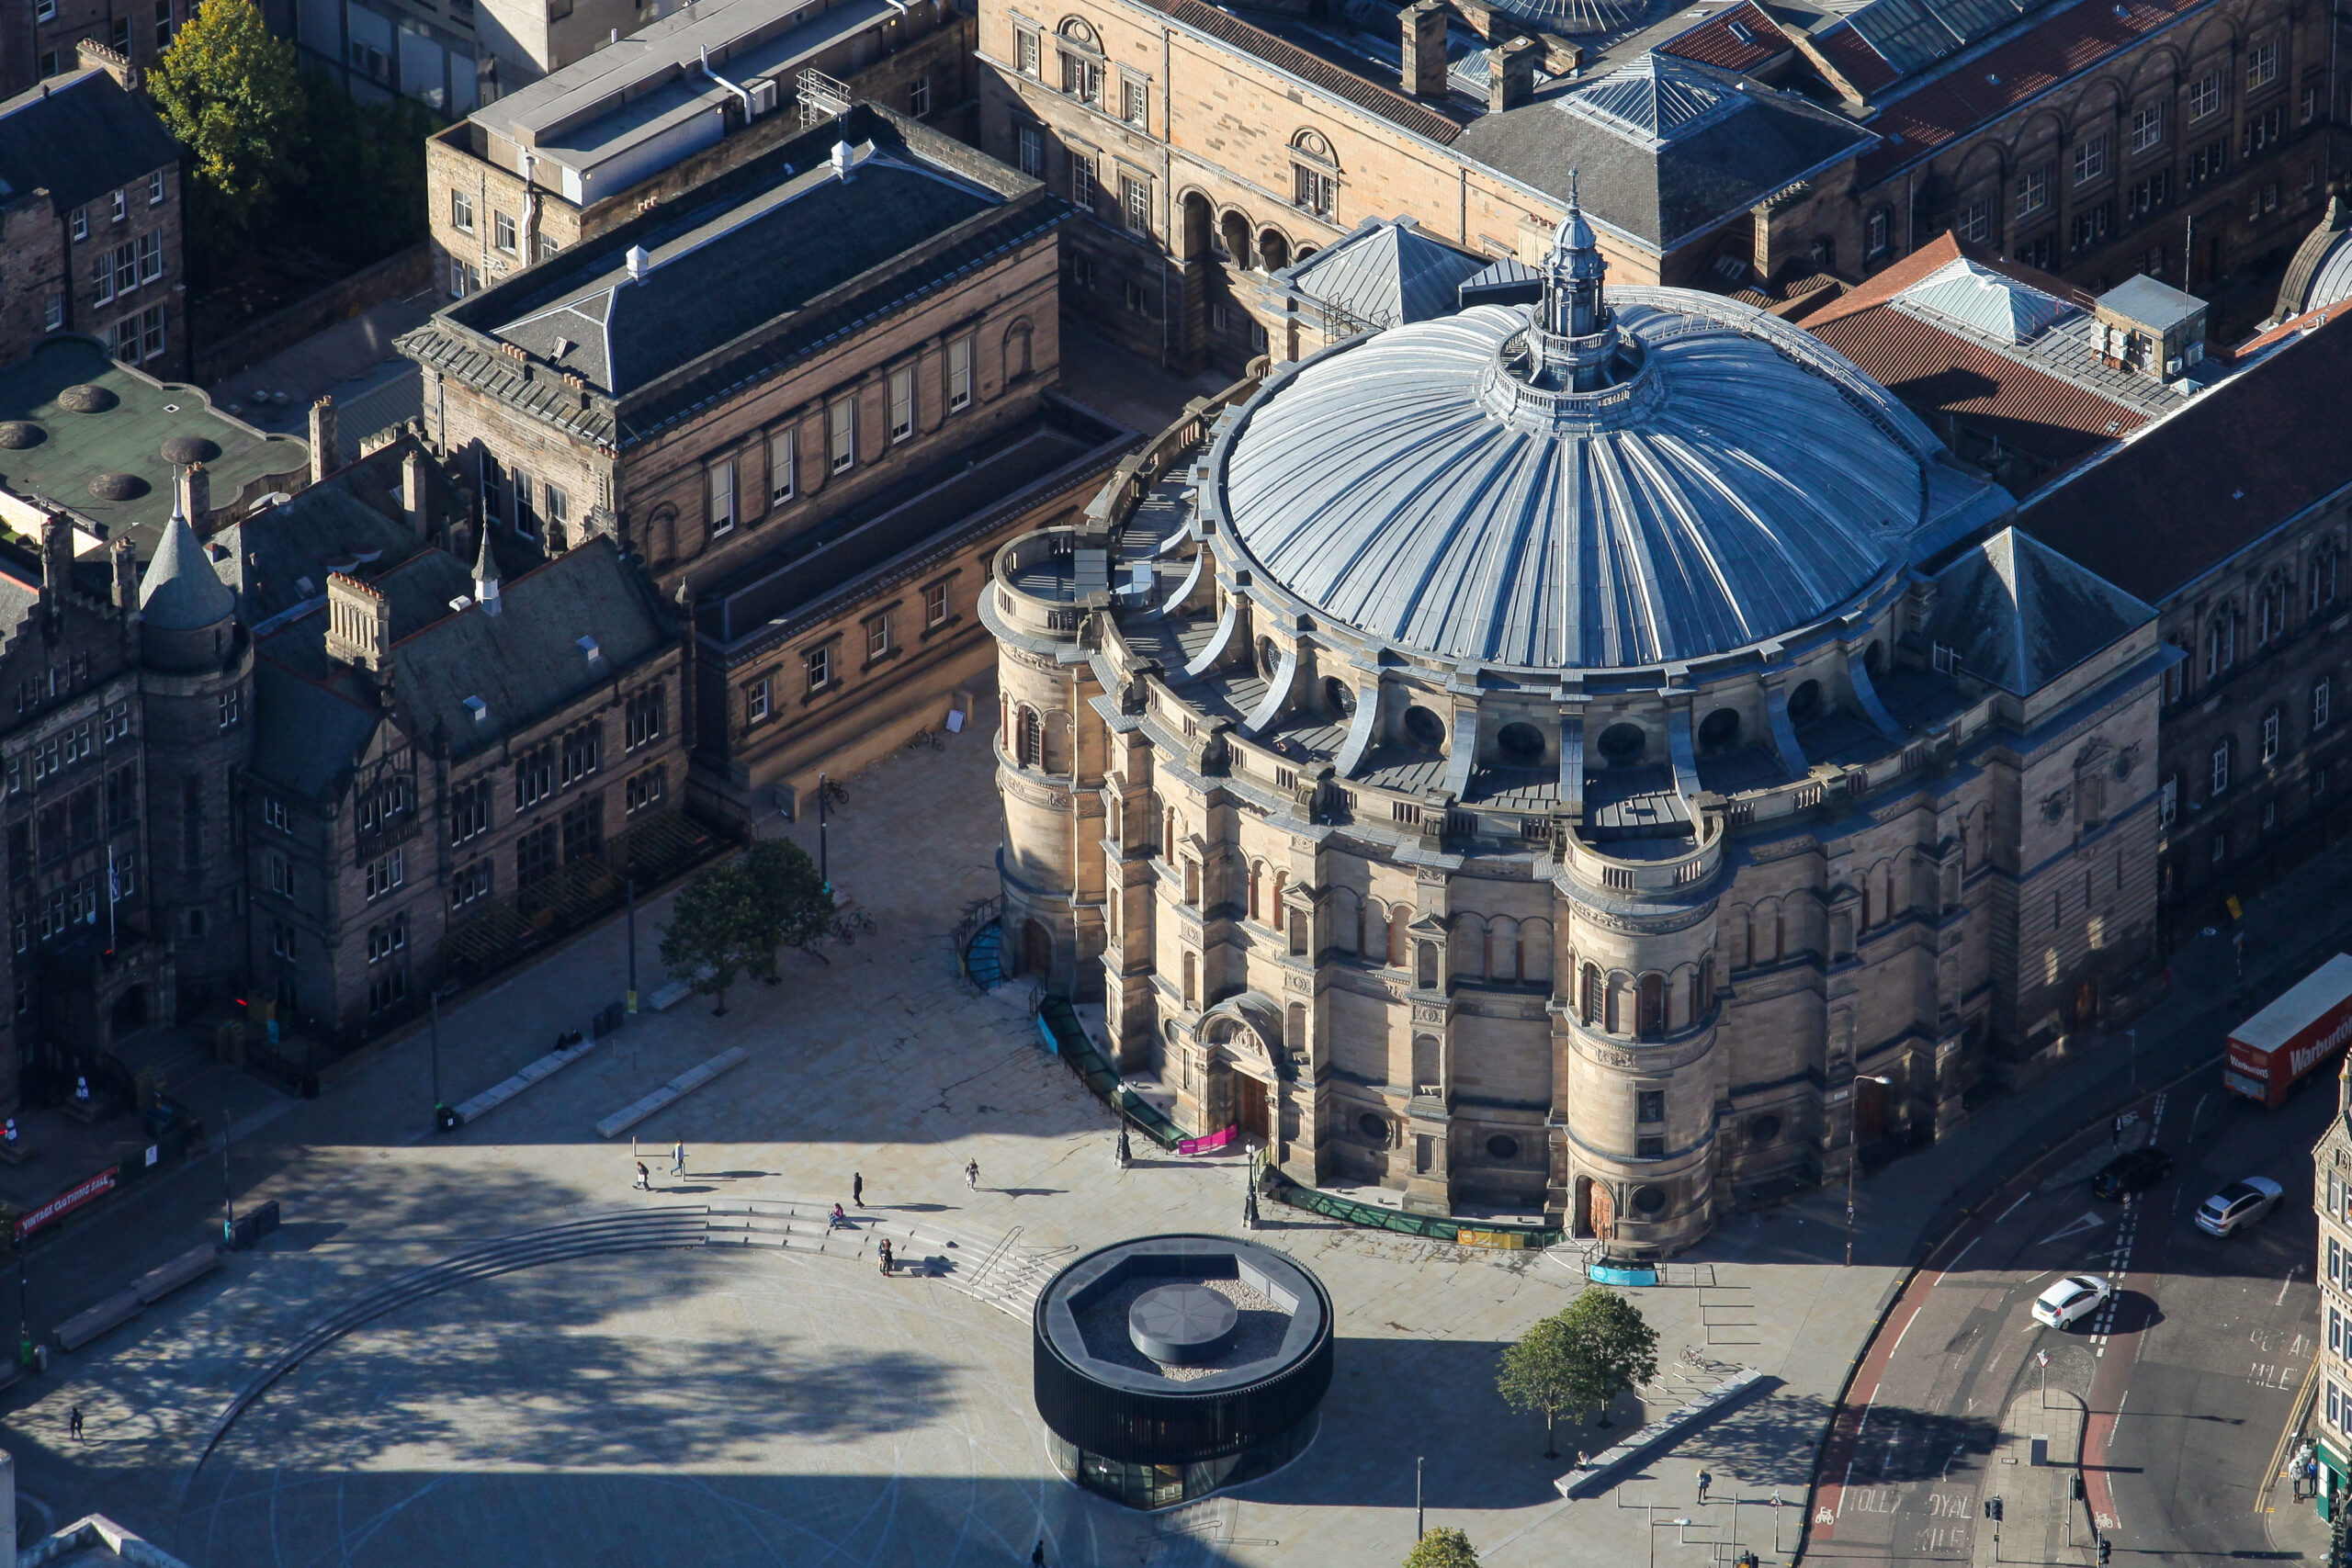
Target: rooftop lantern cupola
[(1574, 344)]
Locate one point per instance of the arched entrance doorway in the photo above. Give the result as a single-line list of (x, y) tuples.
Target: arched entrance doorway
[(130, 1011), (1592, 1210), (1036, 948), (1244, 1084)]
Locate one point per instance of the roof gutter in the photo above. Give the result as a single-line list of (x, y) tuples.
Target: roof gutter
[(742, 92)]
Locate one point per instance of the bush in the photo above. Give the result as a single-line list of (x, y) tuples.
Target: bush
[(1444, 1547)]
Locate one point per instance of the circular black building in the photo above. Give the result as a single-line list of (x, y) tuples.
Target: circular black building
[(1169, 1366)]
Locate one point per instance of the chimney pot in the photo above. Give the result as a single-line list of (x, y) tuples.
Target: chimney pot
[(1424, 30), (1511, 74)]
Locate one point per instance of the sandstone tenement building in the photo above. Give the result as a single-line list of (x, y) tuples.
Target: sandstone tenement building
[(1599, 756), (1212, 145)]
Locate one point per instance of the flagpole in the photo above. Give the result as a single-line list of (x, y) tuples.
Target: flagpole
[(111, 899)]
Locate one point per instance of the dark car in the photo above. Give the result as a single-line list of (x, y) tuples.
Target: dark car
[(2130, 1173)]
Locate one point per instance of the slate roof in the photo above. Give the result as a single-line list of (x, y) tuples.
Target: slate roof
[(1383, 273), (769, 263), (1408, 113), (2189, 492), (1967, 93), (181, 593), (525, 663), (278, 559), (79, 136), (1741, 38), (2019, 614), (740, 267), (1664, 148)]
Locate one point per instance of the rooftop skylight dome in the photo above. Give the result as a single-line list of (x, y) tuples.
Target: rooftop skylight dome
[(1606, 479)]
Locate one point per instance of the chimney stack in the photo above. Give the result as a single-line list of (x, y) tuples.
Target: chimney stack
[(360, 623), (195, 497), (413, 504), (1424, 27), (324, 446), (125, 560), (1511, 74)]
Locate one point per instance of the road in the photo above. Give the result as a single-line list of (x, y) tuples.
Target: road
[(2188, 1376)]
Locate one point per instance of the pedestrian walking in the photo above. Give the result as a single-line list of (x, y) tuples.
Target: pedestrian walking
[(1037, 1557), (1706, 1480), (856, 1190), (972, 1174), (644, 1176), (678, 1158), (885, 1255), (74, 1423)]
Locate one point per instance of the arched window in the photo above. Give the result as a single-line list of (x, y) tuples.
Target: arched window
[(1030, 745), (2270, 611), (2319, 583), (1274, 908), (1256, 909), (1274, 250), (1425, 973), (1192, 980), (1311, 143), (1168, 833), (1400, 917), (1592, 994), (1653, 1007), (2220, 643), (1016, 350), (1192, 883)]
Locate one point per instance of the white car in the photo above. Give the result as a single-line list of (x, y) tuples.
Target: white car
[(2239, 1203), (2071, 1299)]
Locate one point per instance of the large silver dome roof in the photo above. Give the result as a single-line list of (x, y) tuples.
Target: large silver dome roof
[(1580, 483)]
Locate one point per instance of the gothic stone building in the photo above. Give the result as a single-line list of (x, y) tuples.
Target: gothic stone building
[(809, 400), (434, 741), (1597, 756)]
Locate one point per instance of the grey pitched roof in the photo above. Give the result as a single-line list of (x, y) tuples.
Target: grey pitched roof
[(2019, 614), (81, 137), (525, 664), (1385, 274), (181, 592), (278, 559), (1666, 147)]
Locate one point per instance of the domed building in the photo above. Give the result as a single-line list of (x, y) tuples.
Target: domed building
[(1598, 755)]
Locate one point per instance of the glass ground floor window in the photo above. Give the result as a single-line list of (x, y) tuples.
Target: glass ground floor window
[(1144, 1485)]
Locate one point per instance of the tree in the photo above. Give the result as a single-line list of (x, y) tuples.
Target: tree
[(1578, 1359), (719, 928), (799, 904), (1443, 1547), (229, 91)]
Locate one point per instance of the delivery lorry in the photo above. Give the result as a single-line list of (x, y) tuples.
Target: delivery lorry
[(2271, 1051)]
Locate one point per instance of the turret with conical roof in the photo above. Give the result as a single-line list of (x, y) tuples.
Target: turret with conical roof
[(185, 610)]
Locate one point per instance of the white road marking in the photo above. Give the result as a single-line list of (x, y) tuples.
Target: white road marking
[(2284, 1283), (2013, 1208), (1962, 1253), (2090, 1222)]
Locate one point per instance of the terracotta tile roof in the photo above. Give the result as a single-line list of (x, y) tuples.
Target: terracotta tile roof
[(1973, 91), (2190, 491), (1938, 372), (1848, 56), (2288, 331), (1945, 248), (1716, 41), (1386, 102)]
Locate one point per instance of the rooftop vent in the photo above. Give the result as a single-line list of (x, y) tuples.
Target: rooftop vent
[(461, 601), (639, 263), (588, 645), (480, 709)]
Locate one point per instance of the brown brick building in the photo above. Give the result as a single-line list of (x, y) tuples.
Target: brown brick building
[(693, 96), (1210, 149), (92, 222)]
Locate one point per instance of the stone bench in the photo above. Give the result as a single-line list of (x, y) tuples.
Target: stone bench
[(185, 1269), (104, 1318)]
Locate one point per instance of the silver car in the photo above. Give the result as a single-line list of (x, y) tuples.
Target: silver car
[(2239, 1203)]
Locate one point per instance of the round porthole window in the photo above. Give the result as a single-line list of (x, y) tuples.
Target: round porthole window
[(1424, 728), (1373, 1127), (1503, 1147), (1719, 731), (1270, 658), (1648, 1200), (1339, 696), (1763, 1130), (1622, 743), (1519, 745)]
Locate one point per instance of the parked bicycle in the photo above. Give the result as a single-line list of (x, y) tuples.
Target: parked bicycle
[(834, 792), (926, 740)]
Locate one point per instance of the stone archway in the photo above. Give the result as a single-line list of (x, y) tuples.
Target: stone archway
[(1594, 1217), (1244, 1036), (1036, 948)]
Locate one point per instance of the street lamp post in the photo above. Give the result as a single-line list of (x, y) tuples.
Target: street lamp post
[(824, 863), (1854, 1147), (631, 886)]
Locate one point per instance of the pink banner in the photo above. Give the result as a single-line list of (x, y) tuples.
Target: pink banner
[(1209, 1145)]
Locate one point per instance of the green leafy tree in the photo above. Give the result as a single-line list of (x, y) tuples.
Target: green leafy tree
[(719, 928), (1579, 1359), (229, 91), (360, 194), (1443, 1547), (798, 906)]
